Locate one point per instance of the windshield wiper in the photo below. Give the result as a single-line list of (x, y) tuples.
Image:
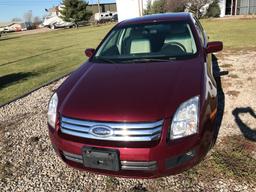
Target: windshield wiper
[(135, 60), (103, 59), (145, 60)]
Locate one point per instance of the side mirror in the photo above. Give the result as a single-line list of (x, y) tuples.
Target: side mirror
[(89, 52), (214, 46)]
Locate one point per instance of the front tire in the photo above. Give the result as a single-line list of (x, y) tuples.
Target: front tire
[(52, 27)]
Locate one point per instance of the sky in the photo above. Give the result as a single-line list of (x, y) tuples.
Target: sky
[(10, 9)]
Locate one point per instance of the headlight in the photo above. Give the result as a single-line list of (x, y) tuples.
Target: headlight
[(185, 120), (52, 110)]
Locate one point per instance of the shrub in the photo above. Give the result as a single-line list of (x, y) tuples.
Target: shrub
[(213, 9), (155, 7)]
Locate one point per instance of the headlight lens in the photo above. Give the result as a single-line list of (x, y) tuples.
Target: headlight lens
[(52, 110), (185, 120)]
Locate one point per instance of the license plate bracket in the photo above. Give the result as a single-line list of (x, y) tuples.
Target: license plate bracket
[(100, 158)]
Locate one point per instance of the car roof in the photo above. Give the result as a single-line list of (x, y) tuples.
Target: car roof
[(183, 16)]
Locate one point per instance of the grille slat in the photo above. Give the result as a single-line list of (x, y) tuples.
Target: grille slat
[(138, 132), (120, 131), (113, 125), (75, 127), (125, 165)]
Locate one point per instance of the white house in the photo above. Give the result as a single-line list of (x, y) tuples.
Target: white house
[(134, 8), (54, 20), (130, 9), (240, 7), (222, 4)]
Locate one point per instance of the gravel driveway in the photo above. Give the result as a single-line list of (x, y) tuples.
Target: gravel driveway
[(28, 162)]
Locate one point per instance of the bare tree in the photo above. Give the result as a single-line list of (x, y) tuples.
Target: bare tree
[(157, 6), (196, 6), (175, 5), (28, 16), (37, 20), (16, 19), (161, 6)]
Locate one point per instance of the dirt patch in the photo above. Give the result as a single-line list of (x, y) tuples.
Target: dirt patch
[(250, 79), (231, 156), (233, 93), (231, 160), (238, 86), (226, 84), (234, 76), (226, 66)]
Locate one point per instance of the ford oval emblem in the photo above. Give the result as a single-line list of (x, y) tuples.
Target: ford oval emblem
[(101, 131)]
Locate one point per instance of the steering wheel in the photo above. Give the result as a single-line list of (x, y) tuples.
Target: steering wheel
[(179, 45)]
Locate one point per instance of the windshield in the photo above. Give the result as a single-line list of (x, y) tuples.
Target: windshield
[(148, 42)]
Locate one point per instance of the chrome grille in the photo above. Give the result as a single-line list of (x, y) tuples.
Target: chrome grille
[(119, 131)]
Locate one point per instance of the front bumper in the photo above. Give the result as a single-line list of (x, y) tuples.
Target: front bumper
[(162, 159)]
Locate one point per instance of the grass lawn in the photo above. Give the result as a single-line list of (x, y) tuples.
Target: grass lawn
[(235, 33), (26, 62)]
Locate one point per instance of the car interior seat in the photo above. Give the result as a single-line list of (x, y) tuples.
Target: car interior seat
[(138, 42), (180, 34)]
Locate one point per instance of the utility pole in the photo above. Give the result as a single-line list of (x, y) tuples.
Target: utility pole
[(248, 12), (98, 6), (140, 7)]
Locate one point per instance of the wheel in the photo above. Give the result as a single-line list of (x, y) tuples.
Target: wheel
[(53, 27)]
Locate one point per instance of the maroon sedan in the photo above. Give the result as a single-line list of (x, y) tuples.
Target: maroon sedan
[(143, 105)]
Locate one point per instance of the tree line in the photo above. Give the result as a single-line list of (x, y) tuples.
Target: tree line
[(76, 10), (195, 6)]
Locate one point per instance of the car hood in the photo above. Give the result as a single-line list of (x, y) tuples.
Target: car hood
[(130, 92)]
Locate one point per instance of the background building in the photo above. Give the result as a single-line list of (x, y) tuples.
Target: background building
[(134, 8), (237, 7), (104, 7), (240, 7), (130, 9)]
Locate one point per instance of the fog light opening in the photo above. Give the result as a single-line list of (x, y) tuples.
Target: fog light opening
[(191, 153)]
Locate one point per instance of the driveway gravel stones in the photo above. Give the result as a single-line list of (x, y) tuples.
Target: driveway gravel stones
[(28, 162)]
